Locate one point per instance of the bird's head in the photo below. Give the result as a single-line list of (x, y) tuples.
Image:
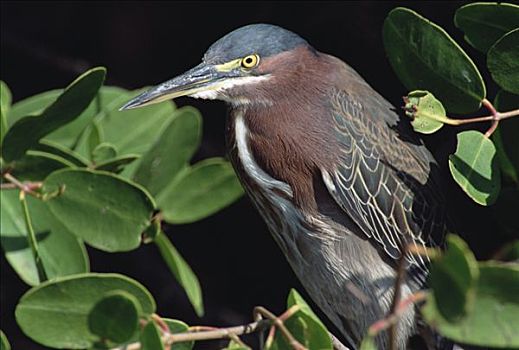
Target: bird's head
[(240, 68)]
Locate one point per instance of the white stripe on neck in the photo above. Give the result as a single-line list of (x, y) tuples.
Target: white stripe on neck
[(250, 165)]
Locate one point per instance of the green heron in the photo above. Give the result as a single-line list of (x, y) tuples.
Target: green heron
[(342, 185)]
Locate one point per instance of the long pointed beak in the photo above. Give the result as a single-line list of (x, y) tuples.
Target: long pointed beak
[(197, 79)]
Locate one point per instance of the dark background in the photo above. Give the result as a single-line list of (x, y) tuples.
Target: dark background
[(45, 45)]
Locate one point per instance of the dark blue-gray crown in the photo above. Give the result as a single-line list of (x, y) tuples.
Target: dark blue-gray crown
[(262, 39)]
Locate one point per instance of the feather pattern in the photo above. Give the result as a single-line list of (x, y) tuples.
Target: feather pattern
[(381, 182)]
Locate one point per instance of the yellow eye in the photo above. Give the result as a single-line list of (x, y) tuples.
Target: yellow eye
[(250, 61)]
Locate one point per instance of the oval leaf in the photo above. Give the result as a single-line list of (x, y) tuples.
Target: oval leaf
[(104, 210), (453, 279), (115, 317), (150, 337), (4, 343), (33, 105), (200, 191), (62, 151), (103, 152), (118, 164), (61, 252), (5, 105), (70, 134), (176, 326), (493, 319), (36, 165), (474, 167), (426, 111), (182, 272), (26, 132), (305, 326), (171, 152), (55, 313), (484, 22), (503, 61), (425, 57), (134, 131)]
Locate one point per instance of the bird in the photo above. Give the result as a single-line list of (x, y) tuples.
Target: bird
[(342, 182)]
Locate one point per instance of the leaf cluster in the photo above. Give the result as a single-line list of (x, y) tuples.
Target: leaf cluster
[(77, 171)]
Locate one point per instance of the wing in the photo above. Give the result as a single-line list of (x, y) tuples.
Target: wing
[(387, 186)]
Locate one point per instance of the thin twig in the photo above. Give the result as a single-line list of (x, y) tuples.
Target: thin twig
[(400, 276), (391, 319), (27, 187), (431, 253), (270, 337), (31, 239), (281, 326), (238, 341), (495, 114), (219, 333), (495, 117)]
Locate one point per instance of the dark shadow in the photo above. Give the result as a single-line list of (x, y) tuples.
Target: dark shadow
[(12, 244)]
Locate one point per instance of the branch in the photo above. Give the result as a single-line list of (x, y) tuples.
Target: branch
[(400, 276), (495, 117), (207, 333), (219, 333), (392, 318), (31, 239), (495, 114), (27, 187), (278, 322)]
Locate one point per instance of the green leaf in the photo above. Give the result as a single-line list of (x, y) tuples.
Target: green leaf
[(62, 151), (93, 134), (495, 314), (150, 337), (61, 252), (425, 57), (171, 152), (36, 165), (317, 336), (70, 134), (118, 164), (26, 132), (474, 167), (305, 326), (115, 317), (106, 211), (485, 22), (505, 137), (4, 343), (426, 112), (368, 343), (232, 345), (135, 131), (104, 151), (33, 105), (176, 326), (503, 61), (5, 105), (152, 231), (182, 272), (200, 191), (453, 279), (55, 313)]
